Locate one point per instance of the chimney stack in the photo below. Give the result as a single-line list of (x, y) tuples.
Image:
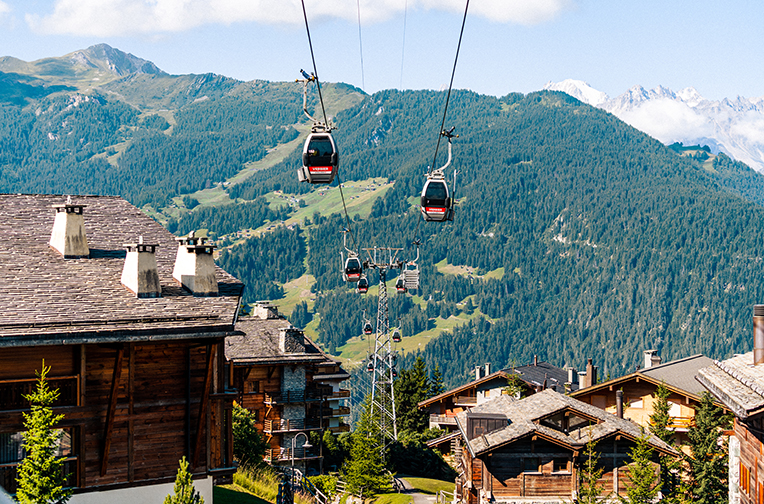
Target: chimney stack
[(758, 334), (264, 310), (291, 340), (68, 236), (591, 374), (478, 372), (651, 358), (195, 267), (572, 375), (535, 360), (619, 403), (139, 273), (487, 368)]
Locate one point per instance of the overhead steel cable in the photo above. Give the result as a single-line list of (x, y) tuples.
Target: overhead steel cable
[(403, 43), (323, 110), (445, 112), (360, 44)]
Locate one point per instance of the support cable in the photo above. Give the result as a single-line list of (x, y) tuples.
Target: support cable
[(315, 70), (360, 43), (403, 43)]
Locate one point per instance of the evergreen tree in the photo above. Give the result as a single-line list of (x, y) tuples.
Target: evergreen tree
[(41, 476), (436, 382), (412, 387), (248, 446), (644, 481), (184, 492), (708, 457), (363, 472), (659, 426), (589, 490)]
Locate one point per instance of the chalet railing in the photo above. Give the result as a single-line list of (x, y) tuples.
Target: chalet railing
[(288, 425), (443, 419), (338, 394), (468, 400), (335, 412), (339, 428), (285, 454), (12, 392), (293, 396), (681, 422)]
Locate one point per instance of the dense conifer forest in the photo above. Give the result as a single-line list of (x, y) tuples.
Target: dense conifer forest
[(605, 241)]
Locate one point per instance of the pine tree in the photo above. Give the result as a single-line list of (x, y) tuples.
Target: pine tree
[(708, 458), (363, 472), (184, 492), (659, 426), (644, 481), (41, 474), (436, 382), (589, 490), (412, 387)]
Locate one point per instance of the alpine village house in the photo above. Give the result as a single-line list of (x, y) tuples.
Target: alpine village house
[(132, 323)]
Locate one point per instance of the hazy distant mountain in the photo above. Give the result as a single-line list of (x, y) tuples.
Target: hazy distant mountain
[(92, 66), (735, 127)]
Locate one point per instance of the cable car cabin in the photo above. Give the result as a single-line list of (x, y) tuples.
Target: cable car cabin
[(396, 336), (436, 202), (363, 285), (400, 285), (320, 159), (367, 329), (353, 269), (370, 367)]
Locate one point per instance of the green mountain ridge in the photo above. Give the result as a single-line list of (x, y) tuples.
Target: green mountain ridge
[(609, 242)]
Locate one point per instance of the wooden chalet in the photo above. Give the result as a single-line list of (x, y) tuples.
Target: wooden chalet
[(739, 384), (532, 449), (637, 391), (290, 385), (534, 377), (132, 323)]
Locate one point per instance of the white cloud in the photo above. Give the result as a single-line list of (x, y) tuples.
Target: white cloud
[(749, 126), (122, 17), (4, 8), (668, 120)]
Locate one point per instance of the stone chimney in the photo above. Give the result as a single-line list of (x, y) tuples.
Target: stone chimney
[(591, 374), (758, 334), (651, 358), (572, 376), (68, 236), (291, 340), (264, 310), (139, 273), (195, 267)]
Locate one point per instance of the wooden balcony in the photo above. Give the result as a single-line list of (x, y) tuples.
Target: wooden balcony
[(465, 400), (12, 392), (285, 454), (442, 420), (282, 425), (294, 396), (681, 423), (339, 428), (336, 412), (339, 394)]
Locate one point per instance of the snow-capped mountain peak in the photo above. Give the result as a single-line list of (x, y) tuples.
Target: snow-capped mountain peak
[(579, 90), (733, 126)]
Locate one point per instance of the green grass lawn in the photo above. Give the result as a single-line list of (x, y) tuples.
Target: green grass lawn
[(428, 485), (234, 494), (393, 498)]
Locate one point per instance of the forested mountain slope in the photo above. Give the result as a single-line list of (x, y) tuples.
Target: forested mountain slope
[(601, 242)]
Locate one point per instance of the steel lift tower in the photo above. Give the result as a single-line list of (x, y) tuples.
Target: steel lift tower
[(383, 359)]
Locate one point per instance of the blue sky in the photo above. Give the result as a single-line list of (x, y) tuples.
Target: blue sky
[(509, 45)]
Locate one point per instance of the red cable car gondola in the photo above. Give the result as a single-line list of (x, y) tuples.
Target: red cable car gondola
[(396, 336), (320, 159), (363, 285), (353, 269)]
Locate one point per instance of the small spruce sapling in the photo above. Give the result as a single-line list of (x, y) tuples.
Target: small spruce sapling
[(184, 492)]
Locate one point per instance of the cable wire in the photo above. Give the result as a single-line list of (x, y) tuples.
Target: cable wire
[(451, 84), (315, 70), (403, 43), (360, 43)]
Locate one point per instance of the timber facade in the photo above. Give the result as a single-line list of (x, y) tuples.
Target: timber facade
[(292, 387), (533, 449), (141, 373)]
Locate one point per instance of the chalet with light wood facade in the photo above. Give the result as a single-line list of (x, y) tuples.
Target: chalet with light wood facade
[(290, 385), (637, 392), (132, 323), (532, 449), (486, 386), (738, 383)]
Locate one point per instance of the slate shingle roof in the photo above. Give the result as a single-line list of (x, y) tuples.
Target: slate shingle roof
[(537, 374), (258, 343), (737, 383), (47, 299), (523, 416)]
